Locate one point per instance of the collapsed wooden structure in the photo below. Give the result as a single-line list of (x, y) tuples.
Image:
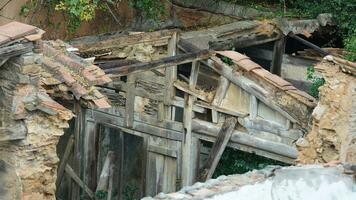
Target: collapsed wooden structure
[(165, 102)]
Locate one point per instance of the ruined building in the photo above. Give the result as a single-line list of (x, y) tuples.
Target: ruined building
[(127, 114)]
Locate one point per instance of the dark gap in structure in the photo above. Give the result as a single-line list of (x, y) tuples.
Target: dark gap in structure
[(234, 161)]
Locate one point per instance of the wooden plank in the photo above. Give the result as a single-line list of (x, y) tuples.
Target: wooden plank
[(79, 112), (271, 127), (253, 107), (76, 179), (223, 85), (247, 84), (90, 152), (103, 183), (192, 91), (64, 160), (163, 151), (179, 102), (277, 57), (163, 62), (130, 101), (220, 109), (218, 148), (243, 138), (188, 164)]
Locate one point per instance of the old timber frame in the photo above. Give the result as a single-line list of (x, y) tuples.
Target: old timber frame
[(166, 102)]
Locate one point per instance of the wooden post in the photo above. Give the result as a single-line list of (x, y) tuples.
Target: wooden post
[(130, 101), (219, 96), (188, 164), (171, 76), (277, 57), (218, 148), (77, 146)]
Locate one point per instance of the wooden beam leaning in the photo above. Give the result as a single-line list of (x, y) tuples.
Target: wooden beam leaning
[(64, 161), (218, 148), (76, 179), (164, 62), (188, 164), (103, 183)]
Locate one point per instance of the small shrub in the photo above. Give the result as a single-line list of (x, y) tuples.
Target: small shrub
[(317, 81)]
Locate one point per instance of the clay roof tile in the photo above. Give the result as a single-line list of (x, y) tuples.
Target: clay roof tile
[(15, 30)]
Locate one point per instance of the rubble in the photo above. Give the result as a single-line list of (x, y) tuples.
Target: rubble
[(332, 136)]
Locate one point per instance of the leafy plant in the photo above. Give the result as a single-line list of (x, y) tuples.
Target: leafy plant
[(129, 192), (350, 46), (238, 162), (152, 9), (317, 81)]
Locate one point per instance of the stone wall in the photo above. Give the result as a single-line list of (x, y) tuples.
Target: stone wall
[(333, 134), (30, 126)]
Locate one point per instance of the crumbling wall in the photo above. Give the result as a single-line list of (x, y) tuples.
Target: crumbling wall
[(333, 133), (34, 159)]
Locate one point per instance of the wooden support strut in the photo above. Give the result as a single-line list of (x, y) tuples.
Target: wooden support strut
[(64, 161), (218, 148), (76, 179), (188, 167), (104, 180)]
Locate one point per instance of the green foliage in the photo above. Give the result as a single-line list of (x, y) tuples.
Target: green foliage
[(129, 192), (152, 9), (350, 46), (239, 162), (317, 81), (101, 194)]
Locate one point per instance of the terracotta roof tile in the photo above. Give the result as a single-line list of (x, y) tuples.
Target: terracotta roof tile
[(78, 90), (35, 37), (261, 72), (240, 59), (278, 81), (101, 103), (15, 30), (248, 65)]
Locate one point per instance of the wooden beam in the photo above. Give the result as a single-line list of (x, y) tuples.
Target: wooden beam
[(130, 101), (219, 96), (188, 164), (218, 148), (171, 76), (277, 57), (76, 179), (210, 129), (163, 62), (103, 183), (64, 160)]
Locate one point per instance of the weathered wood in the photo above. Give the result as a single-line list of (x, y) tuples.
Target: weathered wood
[(188, 164), (64, 160), (271, 127), (192, 91), (103, 42), (76, 178), (111, 182), (277, 57), (309, 44), (163, 62), (218, 148), (247, 84), (130, 101), (108, 64), (103, 183), (79, 112), (219, 96), (204, 127), (220, 109), (253, 107), (163, 151), (179, 102)]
